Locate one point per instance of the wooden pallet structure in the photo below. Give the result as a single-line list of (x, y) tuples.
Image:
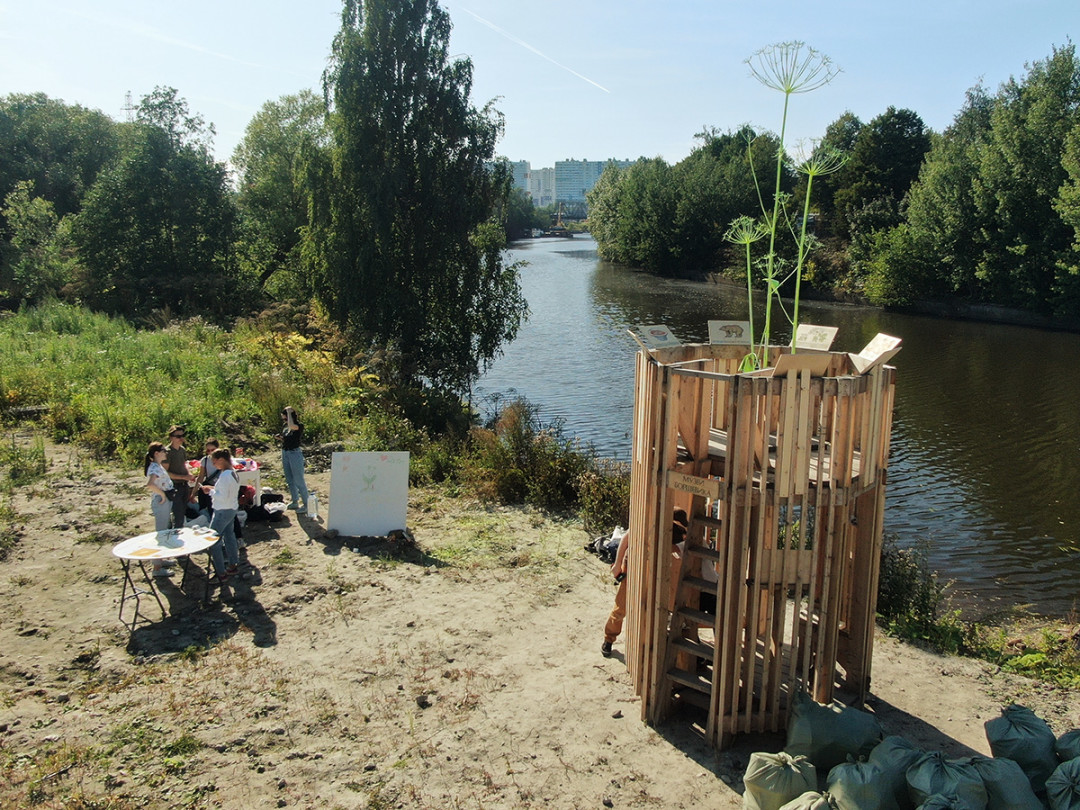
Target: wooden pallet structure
[(783, 480)]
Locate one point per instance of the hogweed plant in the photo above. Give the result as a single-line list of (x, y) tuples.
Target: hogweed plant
[(791, 68)]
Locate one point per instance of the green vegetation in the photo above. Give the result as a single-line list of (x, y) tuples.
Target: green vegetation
[(912, 606), (114, 388), (402, 202), (986, 212), (331, 223)]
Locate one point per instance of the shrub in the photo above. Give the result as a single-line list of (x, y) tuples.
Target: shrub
[(438, 461), (515, 458), (910, 598), (604, 496)]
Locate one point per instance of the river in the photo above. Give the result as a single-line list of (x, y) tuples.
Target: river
[(986, 432)]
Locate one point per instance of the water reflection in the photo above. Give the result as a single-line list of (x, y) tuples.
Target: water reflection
[(985, 429)]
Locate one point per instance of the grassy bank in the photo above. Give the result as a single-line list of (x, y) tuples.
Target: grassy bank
[(913, 606), (113, 387)]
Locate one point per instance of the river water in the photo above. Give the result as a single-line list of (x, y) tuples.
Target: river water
[(986, 433)]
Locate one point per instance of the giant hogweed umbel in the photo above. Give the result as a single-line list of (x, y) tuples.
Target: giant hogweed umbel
[(790, 67)]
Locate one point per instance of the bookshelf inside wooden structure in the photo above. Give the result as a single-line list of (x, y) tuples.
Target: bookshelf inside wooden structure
[(783, 480)]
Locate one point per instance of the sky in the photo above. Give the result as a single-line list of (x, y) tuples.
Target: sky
[(595, 79)]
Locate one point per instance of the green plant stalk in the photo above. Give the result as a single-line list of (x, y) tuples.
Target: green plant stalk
[(770, 266), (750, 289), (801, 259)]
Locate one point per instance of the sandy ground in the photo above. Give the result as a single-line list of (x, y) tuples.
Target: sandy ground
[(352, 673)]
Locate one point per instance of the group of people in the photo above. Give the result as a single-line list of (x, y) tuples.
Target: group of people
[(215, 489)]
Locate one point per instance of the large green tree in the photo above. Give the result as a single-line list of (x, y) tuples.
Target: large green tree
[(883, 163), (50, 155), (1020, 173), (156, 228), (270, 164), (61, 148), (402, 242), (671, 220), (989, 219), (33, 261)]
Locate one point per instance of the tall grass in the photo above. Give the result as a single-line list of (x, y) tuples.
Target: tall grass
[(115, 387)]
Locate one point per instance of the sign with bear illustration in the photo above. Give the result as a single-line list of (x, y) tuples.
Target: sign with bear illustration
[(369, 493), (730, 332)]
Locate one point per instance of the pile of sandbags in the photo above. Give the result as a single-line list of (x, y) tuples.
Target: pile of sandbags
[(835, 757)]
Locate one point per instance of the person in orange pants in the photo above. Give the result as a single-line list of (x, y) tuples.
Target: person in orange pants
[(614, 624)]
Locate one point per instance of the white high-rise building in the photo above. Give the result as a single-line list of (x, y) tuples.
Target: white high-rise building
[(575, 178)]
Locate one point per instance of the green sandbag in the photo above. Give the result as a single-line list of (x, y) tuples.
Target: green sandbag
[(1026, 739), (811, 800), (1063, 786), (942, 801), (861, 786), (1068, 745), (773, 780), (893, 756), (1007, 788), (933, 773), (828, 735)]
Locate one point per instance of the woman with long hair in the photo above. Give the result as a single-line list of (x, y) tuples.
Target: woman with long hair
[(292, 459), (162, 493)]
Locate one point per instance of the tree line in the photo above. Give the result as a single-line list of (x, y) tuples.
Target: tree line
[(376, 208), (986, 212)]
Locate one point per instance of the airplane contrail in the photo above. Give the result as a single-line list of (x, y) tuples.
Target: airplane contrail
[(527, 46)]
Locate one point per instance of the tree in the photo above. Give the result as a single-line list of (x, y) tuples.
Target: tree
[(34, 265), (990, 217), (60, 147), (521, 215), (840, 137), (402, 244), (156, 227), (270, 163), (1024, 252), (57, 151), (883, 163), (934, 254)]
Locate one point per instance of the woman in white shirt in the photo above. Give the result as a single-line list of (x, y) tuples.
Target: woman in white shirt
[(225, 496), (162, 488)]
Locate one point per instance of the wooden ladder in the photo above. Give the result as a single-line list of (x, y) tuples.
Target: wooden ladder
[(691, 662)]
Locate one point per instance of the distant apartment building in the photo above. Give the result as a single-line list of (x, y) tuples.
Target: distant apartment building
[(520, 169), (569, 181), (542, 187), (575, 178)]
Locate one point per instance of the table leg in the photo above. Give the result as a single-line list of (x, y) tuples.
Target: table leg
[(136, 594)]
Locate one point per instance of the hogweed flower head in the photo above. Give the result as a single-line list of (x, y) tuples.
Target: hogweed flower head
[(792, 67), (822, 160), (745, 230)]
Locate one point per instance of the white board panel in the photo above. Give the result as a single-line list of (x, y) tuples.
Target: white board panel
[(369, 493)]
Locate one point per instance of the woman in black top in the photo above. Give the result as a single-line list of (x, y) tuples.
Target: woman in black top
[(292, 459)]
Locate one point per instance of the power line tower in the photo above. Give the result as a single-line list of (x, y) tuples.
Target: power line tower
[(129, 108)]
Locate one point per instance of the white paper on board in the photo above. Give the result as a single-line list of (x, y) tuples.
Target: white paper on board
[(811, 337), (369, 493)]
